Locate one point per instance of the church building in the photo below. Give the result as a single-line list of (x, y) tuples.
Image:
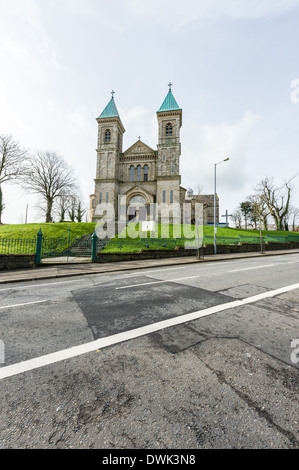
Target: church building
[(140, 174)]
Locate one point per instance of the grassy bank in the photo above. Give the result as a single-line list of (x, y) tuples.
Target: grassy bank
[(131, 239), (55, 230), (169, 237)]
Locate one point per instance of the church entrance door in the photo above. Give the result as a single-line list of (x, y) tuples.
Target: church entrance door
[(137, 209)]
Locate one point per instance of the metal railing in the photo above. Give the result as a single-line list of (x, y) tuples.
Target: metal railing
[(18, 246), (134, 245), (49, 247)]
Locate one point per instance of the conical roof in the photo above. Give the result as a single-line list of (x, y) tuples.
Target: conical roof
[(169, 104), (110, 110)]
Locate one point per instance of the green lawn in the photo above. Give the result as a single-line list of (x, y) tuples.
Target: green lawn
[(21, 239), (55, 230), (167, 237)]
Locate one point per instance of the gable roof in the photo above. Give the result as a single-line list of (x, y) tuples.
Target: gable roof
[(144, 149)]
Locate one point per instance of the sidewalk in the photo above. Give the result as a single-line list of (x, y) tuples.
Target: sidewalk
[(68, 270)]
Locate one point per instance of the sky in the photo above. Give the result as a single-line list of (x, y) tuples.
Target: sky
[(234, 66)]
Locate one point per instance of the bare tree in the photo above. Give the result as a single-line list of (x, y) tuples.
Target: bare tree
[(198, 189), (49, 176), (259, 211), (2, 205), (277, 200), (80, 211), (236, 217), (246, 209), (63, 202), (12, 159), (76, 209), (294, 213), (72, 207)]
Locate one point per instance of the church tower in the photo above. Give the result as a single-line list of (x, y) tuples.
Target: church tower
[(169, 150), (109, 149)]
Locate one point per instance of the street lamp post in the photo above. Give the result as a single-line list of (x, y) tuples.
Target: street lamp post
[(215, 165)]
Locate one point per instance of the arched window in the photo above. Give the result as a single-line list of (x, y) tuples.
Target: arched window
[(107, 135), (145, 172), (171, 197), (139, 173), (101, 198), (132, 173), (164, 196), (138, 200), (107, 198), (168, 130)]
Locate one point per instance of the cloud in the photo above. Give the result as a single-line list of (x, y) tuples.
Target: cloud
[(180, 14), (205, 145), (139, 121), (24, 42)]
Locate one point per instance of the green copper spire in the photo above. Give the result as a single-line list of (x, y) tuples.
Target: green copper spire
[(110, 110), (169, 104)]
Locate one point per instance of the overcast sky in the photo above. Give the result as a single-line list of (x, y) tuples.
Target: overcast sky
[(234, 65)]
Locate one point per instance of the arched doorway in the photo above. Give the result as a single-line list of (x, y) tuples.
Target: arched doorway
[(137, 208)]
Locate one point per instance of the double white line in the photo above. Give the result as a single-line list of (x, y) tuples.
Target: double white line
[(102, 343)]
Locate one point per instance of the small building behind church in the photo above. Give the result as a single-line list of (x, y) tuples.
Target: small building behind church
[(143, 176)]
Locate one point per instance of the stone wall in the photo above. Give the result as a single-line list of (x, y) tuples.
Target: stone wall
[(181, 252), (17, 261), (143, 254)]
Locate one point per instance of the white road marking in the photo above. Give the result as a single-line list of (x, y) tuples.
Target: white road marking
[(41, 285), (145, 271), (25, 366), (22, 305), (263, 266), (157, 282), (193, 277), (187, 266), (254, 267)]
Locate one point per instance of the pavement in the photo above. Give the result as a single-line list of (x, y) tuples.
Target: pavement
[(60, 270)]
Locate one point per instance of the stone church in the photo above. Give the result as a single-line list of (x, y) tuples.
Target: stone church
[(140, 174)]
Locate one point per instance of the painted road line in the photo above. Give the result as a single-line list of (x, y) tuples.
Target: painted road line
[(157, 282), (187, 267), (264, 266), (49, 359), (41, 285), (157, 271), (193, 277), (25, 304), (254, 267)]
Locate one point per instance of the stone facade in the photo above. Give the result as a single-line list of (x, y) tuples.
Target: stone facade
[(141, 175)]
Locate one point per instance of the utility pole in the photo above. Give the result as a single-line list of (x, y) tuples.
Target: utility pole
[(215, 194)]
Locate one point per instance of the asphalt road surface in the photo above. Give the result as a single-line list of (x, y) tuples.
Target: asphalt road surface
[(202, 356)]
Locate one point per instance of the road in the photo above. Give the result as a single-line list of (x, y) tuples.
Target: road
[(187, 357)]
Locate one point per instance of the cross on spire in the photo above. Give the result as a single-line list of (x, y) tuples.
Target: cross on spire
[(112, 93), (170, 85)]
